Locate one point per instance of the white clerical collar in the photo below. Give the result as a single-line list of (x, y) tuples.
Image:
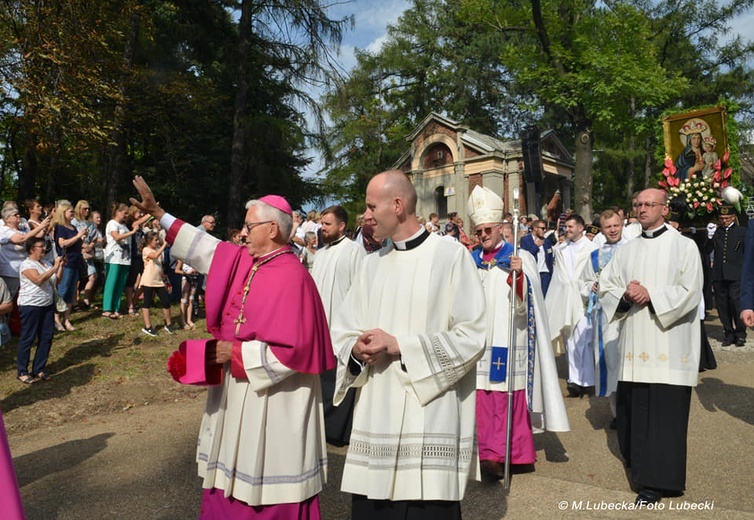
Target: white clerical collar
[(412, 241), (654, 233)]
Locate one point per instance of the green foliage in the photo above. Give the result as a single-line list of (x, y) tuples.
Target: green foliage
[(84, 106)]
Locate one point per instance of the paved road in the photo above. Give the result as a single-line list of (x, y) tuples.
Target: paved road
[(139, 464)]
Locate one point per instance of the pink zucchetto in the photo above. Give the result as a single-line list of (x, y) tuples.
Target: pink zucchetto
[(276, 201)]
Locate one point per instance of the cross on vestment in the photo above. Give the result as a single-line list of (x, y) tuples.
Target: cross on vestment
[(499, 362), (644, 357)]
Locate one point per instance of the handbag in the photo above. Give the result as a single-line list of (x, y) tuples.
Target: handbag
[(60, 304)]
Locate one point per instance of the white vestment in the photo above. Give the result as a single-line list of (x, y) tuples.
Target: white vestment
[(335, 268), (659, 343), (566, 310), (248, 444), (604, 333), (548, 409), (413, 427)]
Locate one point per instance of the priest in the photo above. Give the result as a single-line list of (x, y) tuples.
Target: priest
[(537, 397), (653, 285), (408, 338), (261, 450), (565, 307), (604, 334), (336, 266)]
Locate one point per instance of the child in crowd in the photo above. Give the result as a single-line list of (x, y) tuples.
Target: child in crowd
[(152, 282), (189, 285)]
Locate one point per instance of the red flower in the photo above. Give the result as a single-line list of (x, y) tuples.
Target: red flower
[(727, 173), (696, 204), (709, 206), (669, 163), (726, 156), (177, 365), (718, 165), (663, 184), (674, 181)]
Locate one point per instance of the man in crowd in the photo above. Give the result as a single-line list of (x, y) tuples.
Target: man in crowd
[(729, 244), (565, 307), (408, 338), (747, 280), (336, 267), (208, 223), (654, 285), (495, 263), (540, 248), (261, 450), (604, 334)]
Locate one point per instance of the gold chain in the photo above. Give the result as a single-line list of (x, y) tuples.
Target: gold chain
[(241, 319)]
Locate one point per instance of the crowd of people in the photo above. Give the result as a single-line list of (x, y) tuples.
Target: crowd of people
[(56, 260), (426, 347)]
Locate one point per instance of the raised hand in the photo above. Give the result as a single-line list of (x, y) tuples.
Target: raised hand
[(147, 204)]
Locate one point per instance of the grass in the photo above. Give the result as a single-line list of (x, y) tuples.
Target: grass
[(104, 366)]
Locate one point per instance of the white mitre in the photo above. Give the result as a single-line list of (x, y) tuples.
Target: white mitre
[(484, 206)]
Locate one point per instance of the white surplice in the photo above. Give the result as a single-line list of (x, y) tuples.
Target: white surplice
[(413, 427), (566, 309), (659, 343), (335, 268), (602, 329)]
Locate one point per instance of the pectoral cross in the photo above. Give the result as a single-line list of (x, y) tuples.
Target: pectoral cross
[(239, 321)]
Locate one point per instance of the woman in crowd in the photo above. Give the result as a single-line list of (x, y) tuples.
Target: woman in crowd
[(35, 212), (88, 272), (133, 285), (13, 242), (117, 259), (99, 246), (68, 242), (152, 282), (189, 285), (307, 254), (35, 304)]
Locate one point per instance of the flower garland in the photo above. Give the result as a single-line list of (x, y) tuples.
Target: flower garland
[(702, 194)]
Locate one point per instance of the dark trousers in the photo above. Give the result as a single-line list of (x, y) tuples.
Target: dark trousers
[(545, 282), (363, 508), (653, 421), (37, 323), (727, 295)]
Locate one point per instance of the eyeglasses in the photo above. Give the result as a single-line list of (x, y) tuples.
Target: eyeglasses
[(85, 209), (486, 231), (251, 225), (211, 223), (539, 227), (639, 205)]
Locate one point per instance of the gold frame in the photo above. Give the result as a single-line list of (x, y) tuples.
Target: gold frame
[(714, 118)]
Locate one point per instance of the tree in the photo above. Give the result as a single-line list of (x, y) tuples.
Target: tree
[(592, 61), (433, 59)]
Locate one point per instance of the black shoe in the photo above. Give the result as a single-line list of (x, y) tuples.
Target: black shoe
[(149, 331), (648, 496), (574, 390), (727, 342), (741, 342), (492, 470)]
